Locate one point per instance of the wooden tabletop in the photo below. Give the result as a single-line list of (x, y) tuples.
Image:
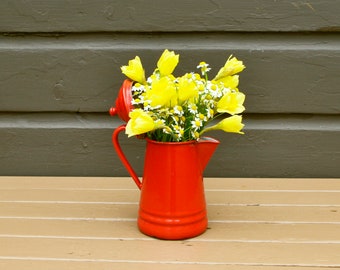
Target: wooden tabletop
[(90, 223)]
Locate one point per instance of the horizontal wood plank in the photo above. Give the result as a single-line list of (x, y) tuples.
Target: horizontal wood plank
[(293, 232), (146, 16), (31, 264), (220, 212), (126, 183), (187, 252), (286, 73), (80, 144), (255, 198), (103, 234)]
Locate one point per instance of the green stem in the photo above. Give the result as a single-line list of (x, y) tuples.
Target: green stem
[(207, 130)]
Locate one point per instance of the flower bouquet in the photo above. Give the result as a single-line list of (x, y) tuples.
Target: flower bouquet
[(178, 109)]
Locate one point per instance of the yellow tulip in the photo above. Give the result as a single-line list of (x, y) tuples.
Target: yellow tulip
[(140, 122), (230, 124), (231, 67), (167, 62), (134, 70), (230, 82), (231, 103), (162, 93), (187, 90)]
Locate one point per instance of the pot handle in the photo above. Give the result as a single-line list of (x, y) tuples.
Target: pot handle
[(122, 156)]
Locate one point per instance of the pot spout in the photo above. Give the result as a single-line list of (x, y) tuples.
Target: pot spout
[(206, 146)]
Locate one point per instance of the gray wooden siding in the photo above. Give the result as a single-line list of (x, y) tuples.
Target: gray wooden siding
[(60, 74)]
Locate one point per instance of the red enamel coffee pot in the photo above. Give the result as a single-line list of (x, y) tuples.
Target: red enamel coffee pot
[(172, 202)]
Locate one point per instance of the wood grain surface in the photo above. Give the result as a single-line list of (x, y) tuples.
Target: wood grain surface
[(188, 16), (90, 223)]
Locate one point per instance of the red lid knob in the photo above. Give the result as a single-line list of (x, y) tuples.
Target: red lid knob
[(113, 111)]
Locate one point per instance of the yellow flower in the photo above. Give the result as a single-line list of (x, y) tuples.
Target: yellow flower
[(231, 67), (230, 124), (230, 82), (231, 103), (167, 62), (140, 122), (162, 93), (187, 90), (134, 70)]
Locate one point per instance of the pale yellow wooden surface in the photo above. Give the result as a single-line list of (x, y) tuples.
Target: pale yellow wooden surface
[(90, 223)]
